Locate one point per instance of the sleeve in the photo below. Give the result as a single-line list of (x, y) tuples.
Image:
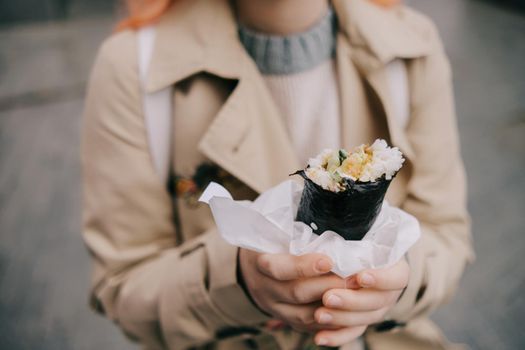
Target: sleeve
[(436, 190), (162, 294)]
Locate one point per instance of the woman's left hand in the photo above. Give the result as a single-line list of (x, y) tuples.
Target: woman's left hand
[(373, 293)]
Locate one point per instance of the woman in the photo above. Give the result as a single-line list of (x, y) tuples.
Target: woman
[(257, 87)]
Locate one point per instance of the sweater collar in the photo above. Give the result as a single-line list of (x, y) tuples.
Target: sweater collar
[(289, 54)]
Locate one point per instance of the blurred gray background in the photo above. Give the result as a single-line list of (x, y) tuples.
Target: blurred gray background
[(46, 51)]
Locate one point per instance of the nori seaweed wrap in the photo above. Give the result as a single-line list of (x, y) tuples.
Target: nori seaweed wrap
[(343, 192)]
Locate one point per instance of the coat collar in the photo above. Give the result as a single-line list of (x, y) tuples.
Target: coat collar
[(201, 35), (379, 35), (248, 137), (195, 35)]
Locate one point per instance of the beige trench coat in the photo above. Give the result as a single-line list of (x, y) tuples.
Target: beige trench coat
[(178, 294)]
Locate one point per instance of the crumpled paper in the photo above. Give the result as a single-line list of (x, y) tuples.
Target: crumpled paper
[(267, 225)]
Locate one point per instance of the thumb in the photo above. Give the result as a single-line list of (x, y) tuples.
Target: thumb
[(392, 278)]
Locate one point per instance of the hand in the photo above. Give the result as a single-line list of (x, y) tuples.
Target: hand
[(289, 287), (353, 310)]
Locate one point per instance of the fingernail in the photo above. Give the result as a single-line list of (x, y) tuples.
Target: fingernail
[(325, 317), (352, 283), (366, 279), (323, 265), (334, 301), (322, 341)]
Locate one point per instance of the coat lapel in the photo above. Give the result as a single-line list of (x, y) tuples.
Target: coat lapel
[(373, 38), (360, 123), (247, 137)]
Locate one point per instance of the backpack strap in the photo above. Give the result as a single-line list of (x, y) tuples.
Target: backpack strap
[(158, 110), (397, 77), (157, 107)]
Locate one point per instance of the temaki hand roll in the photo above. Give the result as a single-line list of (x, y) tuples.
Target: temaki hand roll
[(344, 191)]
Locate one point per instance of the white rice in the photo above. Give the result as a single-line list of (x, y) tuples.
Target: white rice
[(367, 164)]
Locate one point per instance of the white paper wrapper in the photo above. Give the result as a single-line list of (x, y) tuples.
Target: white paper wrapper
[(267, 225)]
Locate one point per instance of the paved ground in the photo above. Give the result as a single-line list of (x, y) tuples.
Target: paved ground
[(43, 264)]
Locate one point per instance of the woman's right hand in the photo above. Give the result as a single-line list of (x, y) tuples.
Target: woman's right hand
[(289, 287)]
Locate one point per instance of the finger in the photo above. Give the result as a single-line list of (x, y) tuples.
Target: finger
[(392, 278), (348, 318), (351, 283), (358, 300), (315, 327), (285, 267), (274, 325), (296, 314), (301, 317), (338, 337), (308, 290)]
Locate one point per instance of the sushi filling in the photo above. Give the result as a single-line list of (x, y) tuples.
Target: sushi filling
[(332, 169)]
